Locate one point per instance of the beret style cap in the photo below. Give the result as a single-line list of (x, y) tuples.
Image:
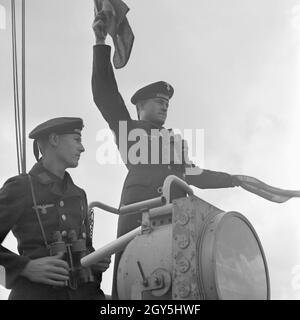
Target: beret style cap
[(63, 125)]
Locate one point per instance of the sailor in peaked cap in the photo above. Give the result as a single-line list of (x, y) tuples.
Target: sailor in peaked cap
[(152, 102), (158, 89), (144, 179)]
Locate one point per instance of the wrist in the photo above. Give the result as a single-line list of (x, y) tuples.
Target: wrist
[(235, 181), (24, 272), (100, 41)]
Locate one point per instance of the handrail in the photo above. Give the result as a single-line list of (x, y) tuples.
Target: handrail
[(100, 205), (151, 205), (143, 205), (146, 205), (166, 189)]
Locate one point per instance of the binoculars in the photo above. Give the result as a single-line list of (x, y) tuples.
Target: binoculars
[(73, 250)]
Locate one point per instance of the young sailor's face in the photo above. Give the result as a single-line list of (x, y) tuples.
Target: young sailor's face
[(69, 149), (155, 110)]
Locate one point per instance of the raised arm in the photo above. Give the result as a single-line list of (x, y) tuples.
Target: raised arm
[(207, 179), (104, 86)]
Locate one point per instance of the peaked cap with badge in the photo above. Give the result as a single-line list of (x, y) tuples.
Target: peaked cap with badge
[(158, 89)]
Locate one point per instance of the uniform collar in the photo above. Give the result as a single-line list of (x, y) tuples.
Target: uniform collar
[(152, 124), (46, 177)]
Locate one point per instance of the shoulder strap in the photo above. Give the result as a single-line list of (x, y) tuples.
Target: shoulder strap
[(37, 212)]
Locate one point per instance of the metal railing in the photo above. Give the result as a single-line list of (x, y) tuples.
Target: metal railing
[(154, 206)]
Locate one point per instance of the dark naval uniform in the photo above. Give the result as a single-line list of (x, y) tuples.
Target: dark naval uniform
[(143, 181), (42, 209), (63, 207)]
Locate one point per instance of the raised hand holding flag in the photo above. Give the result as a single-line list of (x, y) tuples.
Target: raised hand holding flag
[(113, 14)]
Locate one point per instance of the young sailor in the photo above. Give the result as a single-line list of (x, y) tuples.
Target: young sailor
[(48, 214)]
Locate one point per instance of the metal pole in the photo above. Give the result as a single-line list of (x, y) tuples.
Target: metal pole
[(100, 205), (15, 85), (172, 179), (111, 248), (145, 205), (23, 91)]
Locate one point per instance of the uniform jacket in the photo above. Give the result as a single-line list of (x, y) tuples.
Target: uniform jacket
[(62, 207), (143, 181)]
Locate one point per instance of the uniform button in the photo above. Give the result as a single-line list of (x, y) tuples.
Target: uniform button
[(159, 189), (64, 217), (169, 167), (61, 203), (64, 233), (83, 235)]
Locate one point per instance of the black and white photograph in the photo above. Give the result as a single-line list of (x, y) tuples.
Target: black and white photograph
[(149, 151)]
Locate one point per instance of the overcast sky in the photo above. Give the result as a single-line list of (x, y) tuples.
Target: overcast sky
[(235, 67)]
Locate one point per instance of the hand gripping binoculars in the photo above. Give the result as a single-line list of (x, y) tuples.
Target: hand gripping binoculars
[(73, 250)]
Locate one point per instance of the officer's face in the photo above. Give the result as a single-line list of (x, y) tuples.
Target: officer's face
[(155, 110), (69, 149)]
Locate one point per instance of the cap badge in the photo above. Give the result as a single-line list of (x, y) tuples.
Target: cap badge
[(168, 86)]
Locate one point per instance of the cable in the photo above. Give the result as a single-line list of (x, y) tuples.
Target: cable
[(23, 135), (20, 126), (15, 85)]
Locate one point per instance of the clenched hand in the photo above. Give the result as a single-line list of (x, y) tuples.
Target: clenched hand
[(48, 270)]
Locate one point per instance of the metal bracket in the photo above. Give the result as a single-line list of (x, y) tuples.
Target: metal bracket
[(157, 285)]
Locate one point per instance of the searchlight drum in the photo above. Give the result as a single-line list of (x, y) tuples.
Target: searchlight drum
[(187, 250), (191, 250)]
